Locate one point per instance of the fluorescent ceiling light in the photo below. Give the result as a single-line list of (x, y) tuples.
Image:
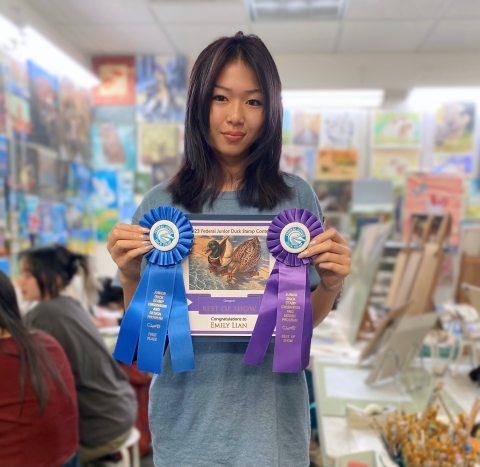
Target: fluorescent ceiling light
[(46, 54), (288, 10), (368, 98), (430, 98), (10, 36)]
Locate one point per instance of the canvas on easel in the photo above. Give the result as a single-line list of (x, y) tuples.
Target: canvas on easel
[(467, 269), (412, 263), (384, 325), (352, 310), (401, 348), (399, 270), (429, 271)]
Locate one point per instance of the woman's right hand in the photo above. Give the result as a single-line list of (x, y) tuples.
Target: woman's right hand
[(127, 244)]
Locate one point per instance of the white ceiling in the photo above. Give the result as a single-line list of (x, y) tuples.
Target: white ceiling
[(187, 26)]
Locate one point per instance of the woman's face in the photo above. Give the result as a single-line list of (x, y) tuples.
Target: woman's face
[(236, 112), (28, 284)]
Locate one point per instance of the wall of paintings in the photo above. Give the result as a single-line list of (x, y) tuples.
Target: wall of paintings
[(45, 172), (430, 158)]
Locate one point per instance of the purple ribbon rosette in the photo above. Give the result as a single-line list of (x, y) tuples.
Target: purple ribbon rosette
[(286, 304)]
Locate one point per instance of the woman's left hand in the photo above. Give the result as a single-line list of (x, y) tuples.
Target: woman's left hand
[(333, 260)]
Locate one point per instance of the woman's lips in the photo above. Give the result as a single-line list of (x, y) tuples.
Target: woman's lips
[(233, 136)]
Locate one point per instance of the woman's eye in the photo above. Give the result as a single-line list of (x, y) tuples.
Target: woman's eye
[(219, 98), (254, 102)]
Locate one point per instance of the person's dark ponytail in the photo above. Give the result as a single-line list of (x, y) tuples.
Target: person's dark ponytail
[(30, 350), (54, 267)]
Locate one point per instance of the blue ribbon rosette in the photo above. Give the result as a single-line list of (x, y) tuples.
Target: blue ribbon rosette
[(286, 303), (159, 305)]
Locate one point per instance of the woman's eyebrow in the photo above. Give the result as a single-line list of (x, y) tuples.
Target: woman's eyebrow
[(251, 91)]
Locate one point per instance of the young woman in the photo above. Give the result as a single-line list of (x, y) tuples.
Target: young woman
[(226, 413), (38, 403), (106, 401)]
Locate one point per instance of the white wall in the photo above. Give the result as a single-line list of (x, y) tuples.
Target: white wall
[(20, 13), (389, 71)]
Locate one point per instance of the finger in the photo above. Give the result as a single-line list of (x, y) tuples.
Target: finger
[(119, 233), (332, 258), (326, 246), (126, 245), (339, 269), (131, 227), (330, 234), (125, 258)]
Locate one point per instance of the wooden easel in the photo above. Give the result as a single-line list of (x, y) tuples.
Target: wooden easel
[(469, 262), (429, 271)]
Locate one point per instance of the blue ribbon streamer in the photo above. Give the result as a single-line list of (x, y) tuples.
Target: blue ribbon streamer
[(159, 306)]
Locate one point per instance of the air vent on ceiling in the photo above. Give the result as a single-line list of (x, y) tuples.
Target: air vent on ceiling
[(296, 10)]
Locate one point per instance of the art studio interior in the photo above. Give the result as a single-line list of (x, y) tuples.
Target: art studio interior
[(158, 185)]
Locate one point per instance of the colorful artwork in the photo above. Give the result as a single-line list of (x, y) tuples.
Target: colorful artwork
[(105, 221), (33, 213), (473, 206), (79, 182), (334, 196), (434, 195), (287, 127), (5, 266), (340, 130), (27, 171), (161, 88), (395, 164), (162, 172), (306, 129), (143, 183), (117, 81), (337, 164), (105, 189), (396, 129), (157, 143), (74, 115), (451, 164), (62, 174), (114, 138), (3, 103), (293, 160), (17, 77), (126, 184), (43, 106), (19, 116), (47, 175), (454, 127)]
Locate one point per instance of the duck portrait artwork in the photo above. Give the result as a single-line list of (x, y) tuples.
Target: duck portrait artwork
[(219, 254), (245, 259)]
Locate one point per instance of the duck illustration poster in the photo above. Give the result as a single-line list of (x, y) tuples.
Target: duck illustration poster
[(226, 274)]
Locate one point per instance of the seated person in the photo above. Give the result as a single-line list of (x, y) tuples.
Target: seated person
[(38, 402), (106, 402)]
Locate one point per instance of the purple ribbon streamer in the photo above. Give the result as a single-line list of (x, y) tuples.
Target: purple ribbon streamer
[(291, 314)]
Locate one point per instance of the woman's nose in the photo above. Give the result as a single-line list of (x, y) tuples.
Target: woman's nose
[(235, 114)]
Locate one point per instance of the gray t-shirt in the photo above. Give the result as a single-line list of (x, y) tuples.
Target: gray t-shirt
[(226, 413), (107, 403)]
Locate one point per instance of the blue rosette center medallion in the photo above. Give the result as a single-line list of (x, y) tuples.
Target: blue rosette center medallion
[(159, 306)]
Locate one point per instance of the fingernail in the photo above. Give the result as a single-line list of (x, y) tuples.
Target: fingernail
[(147, 242), (148, 247), (144, 237), (144, 229), (313, 242), (303, 254)]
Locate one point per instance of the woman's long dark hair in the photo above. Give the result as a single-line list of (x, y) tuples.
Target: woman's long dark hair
[(54, 266), (30, 350), (200, 178)]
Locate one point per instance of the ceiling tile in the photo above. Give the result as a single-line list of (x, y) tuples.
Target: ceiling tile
[(450, 35), (298, 37), (192, 39), (200, 12), (94, 11), (393, 9), (376, 36), (463, 9), (122, 39)]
